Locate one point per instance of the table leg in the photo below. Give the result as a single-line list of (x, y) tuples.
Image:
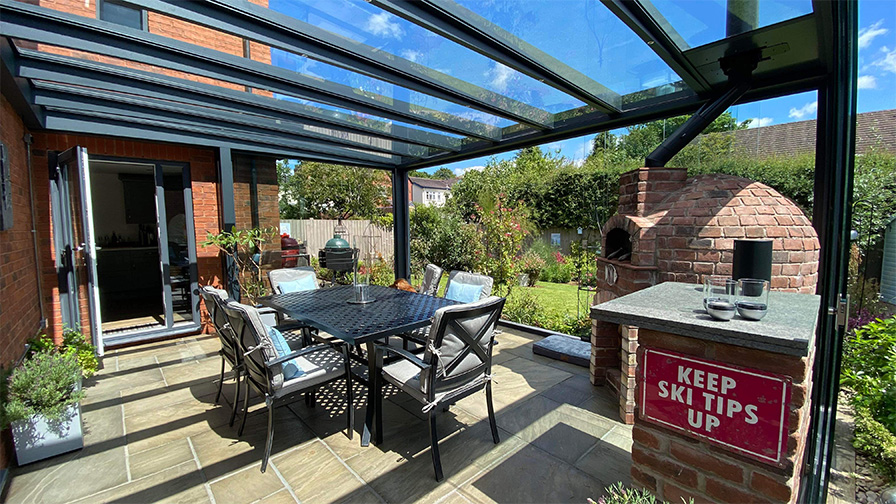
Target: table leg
[(369, 427)]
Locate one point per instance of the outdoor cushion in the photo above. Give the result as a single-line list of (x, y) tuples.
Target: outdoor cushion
[(317, 367), (463, 293), (291, 368), (304, 283)]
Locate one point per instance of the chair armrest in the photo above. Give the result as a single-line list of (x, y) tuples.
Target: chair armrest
[(296, 353), (404, 353)]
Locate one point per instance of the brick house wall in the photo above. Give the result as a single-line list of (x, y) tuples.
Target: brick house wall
[(19, 297), (20, 310)]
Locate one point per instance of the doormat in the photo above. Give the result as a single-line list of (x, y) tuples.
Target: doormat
[(564, 348)]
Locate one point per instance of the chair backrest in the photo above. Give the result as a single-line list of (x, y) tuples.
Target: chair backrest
[(214, 300), (432, 275), (459, 345), (472, 278), (290, 275), (250, 334)]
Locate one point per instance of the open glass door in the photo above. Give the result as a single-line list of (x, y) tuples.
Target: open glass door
[(75, 243)]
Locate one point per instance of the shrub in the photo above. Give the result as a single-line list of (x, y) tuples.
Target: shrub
[(620, 494), (876, 442), (74, 342), (442, 239), (558, 269), (45, 384), (869, 369), (523, 307), (381, 272)]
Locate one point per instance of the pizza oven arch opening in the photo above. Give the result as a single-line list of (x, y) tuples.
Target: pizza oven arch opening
[(619, 245)]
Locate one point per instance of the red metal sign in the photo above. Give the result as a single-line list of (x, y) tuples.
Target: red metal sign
[(743, 410)]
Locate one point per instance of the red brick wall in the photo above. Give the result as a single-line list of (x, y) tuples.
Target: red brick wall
[(204, 174), (673, 466), (19, 296)]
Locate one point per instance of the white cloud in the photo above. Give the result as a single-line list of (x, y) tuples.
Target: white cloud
[(410, 55), (869, 33), (499, 76), (759, 122), (867, 82), (459, 172), (382, 25), (888, 61), (806, 110)]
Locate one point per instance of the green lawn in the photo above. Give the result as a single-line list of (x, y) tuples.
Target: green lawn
[(558, 298)]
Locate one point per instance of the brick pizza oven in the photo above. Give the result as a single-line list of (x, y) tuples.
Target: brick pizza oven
[(673, 228)]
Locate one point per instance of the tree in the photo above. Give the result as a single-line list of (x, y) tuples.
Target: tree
[(443, 173), (327, 191)]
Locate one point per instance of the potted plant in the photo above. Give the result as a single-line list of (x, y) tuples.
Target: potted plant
[(41, 397), (244, 247)]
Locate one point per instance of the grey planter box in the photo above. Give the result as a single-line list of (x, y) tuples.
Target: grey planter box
[(37, 438)]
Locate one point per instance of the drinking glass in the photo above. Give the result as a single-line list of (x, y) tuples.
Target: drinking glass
[(718, 297), (752, 298)]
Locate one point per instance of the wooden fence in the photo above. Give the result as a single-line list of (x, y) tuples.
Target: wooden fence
[(316, 232)]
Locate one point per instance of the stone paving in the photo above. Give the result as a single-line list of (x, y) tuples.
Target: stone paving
[(153, 433)]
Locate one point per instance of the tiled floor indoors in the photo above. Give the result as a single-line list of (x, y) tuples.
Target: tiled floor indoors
[(154, 434)]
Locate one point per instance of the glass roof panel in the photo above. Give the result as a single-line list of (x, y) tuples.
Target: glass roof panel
[(701, 22), (584, 35), (360, 21), (362, 119), (368, 86)]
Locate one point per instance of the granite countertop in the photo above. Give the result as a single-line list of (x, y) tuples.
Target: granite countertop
[(677, 308)]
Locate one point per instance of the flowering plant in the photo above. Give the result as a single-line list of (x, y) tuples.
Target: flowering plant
[(501, 231)]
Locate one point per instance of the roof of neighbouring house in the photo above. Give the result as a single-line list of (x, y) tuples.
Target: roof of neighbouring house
[(444, 184), (873, 129)]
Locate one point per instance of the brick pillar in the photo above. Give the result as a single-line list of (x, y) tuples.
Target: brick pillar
[(628, 357), (604, 350), (673, 465)]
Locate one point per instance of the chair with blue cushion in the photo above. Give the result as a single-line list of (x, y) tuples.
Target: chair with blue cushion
[(466, 287), (456, 363), (463, 287), (280, 373), (286, 280)]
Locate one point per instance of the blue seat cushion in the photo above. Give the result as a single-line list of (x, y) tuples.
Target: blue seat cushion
[(291, 368), (463, 293), (307, 282)]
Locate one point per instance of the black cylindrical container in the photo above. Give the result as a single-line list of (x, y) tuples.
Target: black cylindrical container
[(752, 259)]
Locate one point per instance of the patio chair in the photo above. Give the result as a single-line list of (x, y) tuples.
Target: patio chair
[(456, 362), (281, 374), (431, 277), (297, 279), (467, 288), (214, 300)]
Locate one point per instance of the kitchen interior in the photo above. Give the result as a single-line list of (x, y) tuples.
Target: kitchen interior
[(129, 266)]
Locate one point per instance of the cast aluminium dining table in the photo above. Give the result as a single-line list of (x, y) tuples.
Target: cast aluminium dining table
[(330, 309)]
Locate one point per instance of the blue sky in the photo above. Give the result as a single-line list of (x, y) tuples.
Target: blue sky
[(877, 86), (585, 36)]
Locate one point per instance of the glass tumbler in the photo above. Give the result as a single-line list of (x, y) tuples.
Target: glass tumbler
[(718, 297), (752, 298)]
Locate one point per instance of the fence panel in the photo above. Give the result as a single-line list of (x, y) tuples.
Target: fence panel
[(316, 232)]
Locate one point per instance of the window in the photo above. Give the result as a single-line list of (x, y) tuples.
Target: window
[(5, 190), (121, 13)]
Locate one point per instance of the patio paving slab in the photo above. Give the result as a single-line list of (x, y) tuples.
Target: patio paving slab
[(153, 433)]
